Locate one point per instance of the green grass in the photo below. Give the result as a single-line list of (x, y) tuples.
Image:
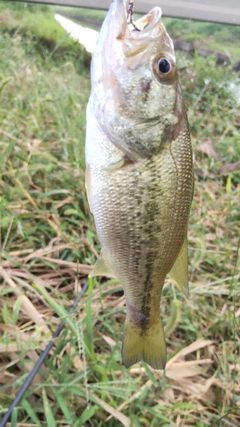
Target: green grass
[(36, 24), (48, 245)]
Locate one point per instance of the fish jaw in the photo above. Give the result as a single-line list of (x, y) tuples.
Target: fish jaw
[(113, 28)]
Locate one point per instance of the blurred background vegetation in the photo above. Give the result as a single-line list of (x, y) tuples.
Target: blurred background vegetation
[(49, 243)]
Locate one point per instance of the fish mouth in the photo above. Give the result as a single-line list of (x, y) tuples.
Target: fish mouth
[(147, 25), (138, 40), (144, 26)]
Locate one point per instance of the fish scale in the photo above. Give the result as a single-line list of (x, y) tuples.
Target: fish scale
[(115, 216), (139, 176)]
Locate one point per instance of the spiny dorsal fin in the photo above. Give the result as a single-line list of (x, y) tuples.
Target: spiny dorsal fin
[(102, 268), (179, 271)]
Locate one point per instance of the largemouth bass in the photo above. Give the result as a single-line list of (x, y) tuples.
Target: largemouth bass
[(139, 174)]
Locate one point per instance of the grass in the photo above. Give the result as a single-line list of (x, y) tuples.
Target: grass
[(220, 37), (37, 25), (49, 244)]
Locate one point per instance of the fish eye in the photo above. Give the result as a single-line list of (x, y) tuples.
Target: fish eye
[(164, 65), (164, 68)]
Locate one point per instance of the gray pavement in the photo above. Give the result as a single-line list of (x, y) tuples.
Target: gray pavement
[(203, 10)]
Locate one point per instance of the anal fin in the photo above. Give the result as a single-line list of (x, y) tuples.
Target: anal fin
[(101, 267), (179, 271)]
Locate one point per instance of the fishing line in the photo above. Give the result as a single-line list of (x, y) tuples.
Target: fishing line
[(130, 15), (40, 361)]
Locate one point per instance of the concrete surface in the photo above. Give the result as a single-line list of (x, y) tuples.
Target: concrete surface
[(203, 10)]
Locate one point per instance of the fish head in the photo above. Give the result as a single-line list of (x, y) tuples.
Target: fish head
[(136, 95)]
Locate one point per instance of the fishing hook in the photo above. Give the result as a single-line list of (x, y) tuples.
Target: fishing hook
[(130, 15)]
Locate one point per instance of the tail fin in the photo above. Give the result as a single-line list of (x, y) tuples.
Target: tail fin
[(144, 345)]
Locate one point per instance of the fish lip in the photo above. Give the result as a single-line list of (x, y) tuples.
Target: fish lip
[(146, 24), (118, 14)]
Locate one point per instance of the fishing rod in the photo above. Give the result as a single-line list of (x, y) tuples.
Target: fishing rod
[(40, 361)]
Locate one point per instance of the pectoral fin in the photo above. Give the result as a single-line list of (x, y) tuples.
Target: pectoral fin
[(102, 268), (179, 271), (115, 165)]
